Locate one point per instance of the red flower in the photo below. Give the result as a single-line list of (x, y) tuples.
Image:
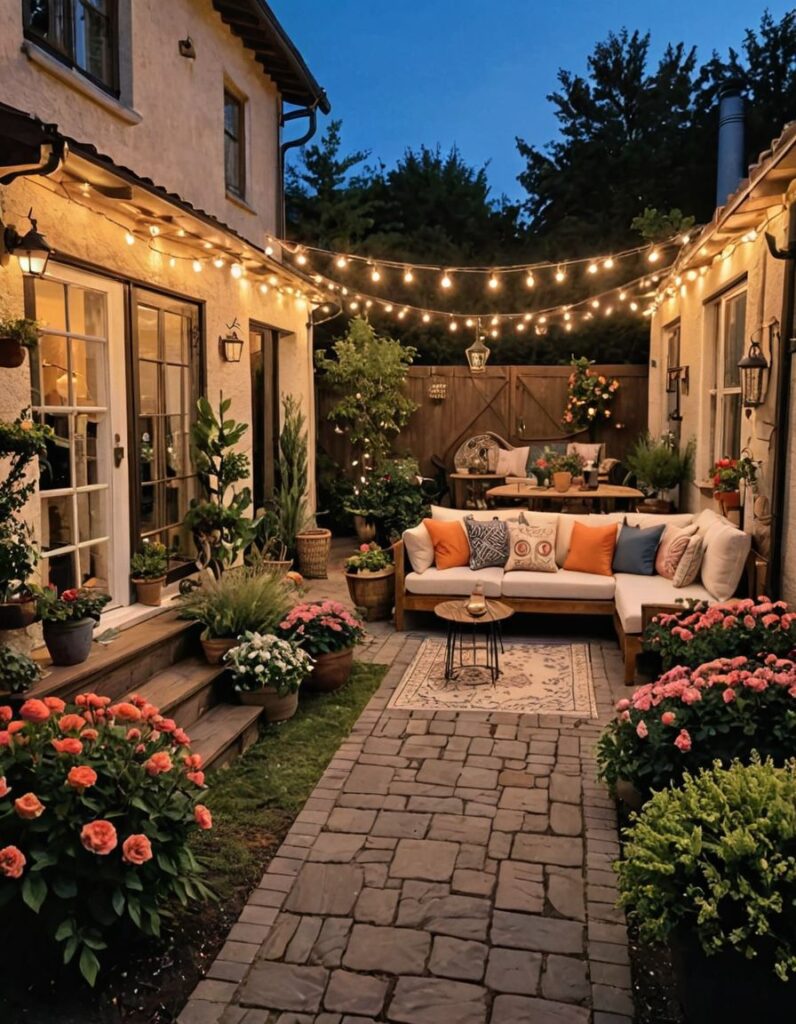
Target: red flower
[(159, 762), (81, 777), (125, 712), (29, 807), (203, 817), (34, 711), (70, 745), (136, 849), (12, 861), (69, 595), (196, 777), (99, 837), (683, 741), (5, 789), (55, 704)]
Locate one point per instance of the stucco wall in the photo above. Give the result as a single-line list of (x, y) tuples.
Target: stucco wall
[(179, 142)]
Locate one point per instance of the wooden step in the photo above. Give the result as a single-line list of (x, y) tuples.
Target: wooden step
[(128, 662), (224, 733), (184, 691)]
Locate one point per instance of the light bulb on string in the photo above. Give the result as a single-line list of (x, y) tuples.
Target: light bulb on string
[(634, 306), (236, 270), (592, 268), (568, 326), (353, 305), (207, 245), (368, 304), (341, 262), (269, 251), (301, 259), (172, 261), (530, 280), (520, 326), (542, 319), (154, 230), (622, 296), (494, 333), (493, 283), (595, 303), (264, 289), (408, 276), (453, 326), (608, 263), (528, 317), (426, 318), (375, 275), (494, 321), (401, 314), (653, 255), (608, 310), (218, 262), (197, 266), (446, 281), (560, 275), (388, 308), (129, 238)]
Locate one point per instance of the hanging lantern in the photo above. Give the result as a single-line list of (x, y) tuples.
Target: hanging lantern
[(753, 367), (31, 249), (477, 353), (230, 344)]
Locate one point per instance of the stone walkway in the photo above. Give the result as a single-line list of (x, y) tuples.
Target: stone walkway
[(449, 867)]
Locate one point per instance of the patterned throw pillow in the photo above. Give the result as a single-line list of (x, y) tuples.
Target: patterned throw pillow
[(689, 565), (532, 547), (489, 542), (672, 548)]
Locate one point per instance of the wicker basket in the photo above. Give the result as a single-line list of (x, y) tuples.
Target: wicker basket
[(312, 548)]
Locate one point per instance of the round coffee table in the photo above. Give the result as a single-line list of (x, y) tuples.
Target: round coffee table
[(458, 619)]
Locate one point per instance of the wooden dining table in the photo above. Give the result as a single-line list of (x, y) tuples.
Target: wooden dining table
[(607, 496)]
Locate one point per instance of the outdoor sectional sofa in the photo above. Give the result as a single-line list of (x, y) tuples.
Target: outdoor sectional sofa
[(726, 561)]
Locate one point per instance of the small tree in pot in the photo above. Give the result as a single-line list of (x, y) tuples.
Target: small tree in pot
[(148, 571), (659, 466)]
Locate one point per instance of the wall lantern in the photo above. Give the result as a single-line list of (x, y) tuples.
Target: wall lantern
[(477, 353), (754, 369), (31, 250), (230, 344)]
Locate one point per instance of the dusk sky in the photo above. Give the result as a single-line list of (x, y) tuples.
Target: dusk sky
[(476, 73)]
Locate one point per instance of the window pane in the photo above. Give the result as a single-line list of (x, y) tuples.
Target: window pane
[(731, 432), (92, 515), (734, 331), (148, 379), (54, 470), (86, 312), (54, 379), (93, 48), (86, 441), (146, 452), (94, 566), (232, 164), (148, 333), (59, 571), (149, 506), (175, 446), (174, 336), (88, 378), (57, 528), (175, 376), (50, 304), (47, 19)]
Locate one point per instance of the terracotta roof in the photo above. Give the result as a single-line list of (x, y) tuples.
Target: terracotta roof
[(258, 28)]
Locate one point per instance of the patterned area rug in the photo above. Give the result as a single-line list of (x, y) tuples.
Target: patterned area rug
[(536, 678)]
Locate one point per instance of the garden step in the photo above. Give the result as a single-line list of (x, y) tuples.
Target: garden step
[(184, 691), (128, 662), (224, 733)]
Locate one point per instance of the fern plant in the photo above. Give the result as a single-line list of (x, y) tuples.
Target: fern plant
[(242, 600)]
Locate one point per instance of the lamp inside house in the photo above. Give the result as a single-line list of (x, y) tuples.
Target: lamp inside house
[(231, 345), (31, 250), (477, 353), (753, 367)]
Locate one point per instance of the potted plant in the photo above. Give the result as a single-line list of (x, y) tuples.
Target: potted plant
[(590, 396), (563, 467), (242, 600), (710, 868), (267, 671), (725, 709), (370, 576), (268, 552), (658, 465), (328, 632), (390, 499), (148, 571), (18, 672), (68, 621), (16, 335), (726, 475)]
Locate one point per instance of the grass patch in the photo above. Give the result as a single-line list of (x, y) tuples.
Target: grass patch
[(255, 800)]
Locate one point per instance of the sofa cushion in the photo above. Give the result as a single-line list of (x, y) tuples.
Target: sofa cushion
[(688, 567), (644, 519), (671, 549), (454, 582), (512, 462), (489, 542), (442, 514), (450, 543), (588, 452), (566, 524), (724, 558), (564, 584), (634, 591), (592, 548), (532, 547), (636, 548), (419, 547)]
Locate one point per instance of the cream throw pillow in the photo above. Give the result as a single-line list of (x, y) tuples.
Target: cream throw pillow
[(512, 462), (532, 547), (688, 567), (419, 547), (726, 549), (672, 547)]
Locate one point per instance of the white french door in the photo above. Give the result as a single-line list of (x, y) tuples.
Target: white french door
[(79, 389)]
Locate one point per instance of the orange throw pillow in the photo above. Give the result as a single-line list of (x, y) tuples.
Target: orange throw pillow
[(591, 549), (451, 547)]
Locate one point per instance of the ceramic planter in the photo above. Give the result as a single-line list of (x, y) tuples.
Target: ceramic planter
[(277, 709), (12, 352), (149, 591), (216, 647), (366, 531), (373, 592), (562, 481), (331, 671), (69, 643), (728, 499), (17, 614)]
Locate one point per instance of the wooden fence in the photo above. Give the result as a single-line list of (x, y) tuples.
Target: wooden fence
[(523, 404)]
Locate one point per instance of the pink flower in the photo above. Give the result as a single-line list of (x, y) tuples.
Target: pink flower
[(729, 695), (641, 730), (683, 741), (691, 695), (364, 548), (668, 718), (748, 621), (623, 704)]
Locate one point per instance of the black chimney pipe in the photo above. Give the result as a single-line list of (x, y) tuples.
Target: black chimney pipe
[(731, 156)]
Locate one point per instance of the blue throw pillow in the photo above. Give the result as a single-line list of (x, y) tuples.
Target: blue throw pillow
[(636, 549)]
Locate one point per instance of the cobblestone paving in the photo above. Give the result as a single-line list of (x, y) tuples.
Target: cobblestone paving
[(448, 867)]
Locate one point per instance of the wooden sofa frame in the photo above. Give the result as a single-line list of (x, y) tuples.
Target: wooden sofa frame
[(629, 643)]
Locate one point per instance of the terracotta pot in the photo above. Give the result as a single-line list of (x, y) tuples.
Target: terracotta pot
[(12, 353), (277, 709), (17, 614), (331, 671), (69, 643), (562, 481), (149, 591), (216, 647), (629, 795), (366, 531), (728, 499), (373, 593)]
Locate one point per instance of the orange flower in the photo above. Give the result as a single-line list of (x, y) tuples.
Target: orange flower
[(5, 737), (181, 738), (197, 777), (165, 724), (99, 837), (68, 746), (203, 817), (89, 735), (6, 714), (81, 777), (29, 806), (14, 727), (5, 789), (55, 704), (34, 711), (160, 762), (71, 723), (136, 849), (133, 735), (125, 712), (12, 861), (192, 761)]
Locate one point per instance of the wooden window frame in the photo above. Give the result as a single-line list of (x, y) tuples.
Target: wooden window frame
[(237, 189), (64, 49), (717, 390), (267, 429)]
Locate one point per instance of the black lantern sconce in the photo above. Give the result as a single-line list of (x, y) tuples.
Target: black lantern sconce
[(477, 353), (31, 249), (754, 369), (230, 344)]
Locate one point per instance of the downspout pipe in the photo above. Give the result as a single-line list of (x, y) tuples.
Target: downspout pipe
[(311, 113), (731, 155)]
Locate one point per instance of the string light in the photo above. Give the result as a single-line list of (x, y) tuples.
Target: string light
[(426, 318), (197, 266), (446, 281), (375, 275), (207, 245), (388, 308), (218, 262), (453, 326), (269, 250), (593, 268), (530, 281), (342, 262), (130, 239), (301, 259), (154, 230), (264, 290), (653, 256), (408, 277), (560, 275), (236, 270), (608, 263), (493, 282)]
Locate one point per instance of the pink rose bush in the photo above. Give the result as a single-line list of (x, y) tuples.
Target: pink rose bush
[(723, 710), (702, 632), (95, 819), (321, 627)]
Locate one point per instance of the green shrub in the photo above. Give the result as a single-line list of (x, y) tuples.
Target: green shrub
[(18, 672), (659, 465), (242, 600)]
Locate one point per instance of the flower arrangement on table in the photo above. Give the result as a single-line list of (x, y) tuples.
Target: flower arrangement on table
[(701, 632), (322, 627), (368, 558), (71, 605), (567, 462), (589, 396), (690, 718), (97, 804), (262, 660)]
